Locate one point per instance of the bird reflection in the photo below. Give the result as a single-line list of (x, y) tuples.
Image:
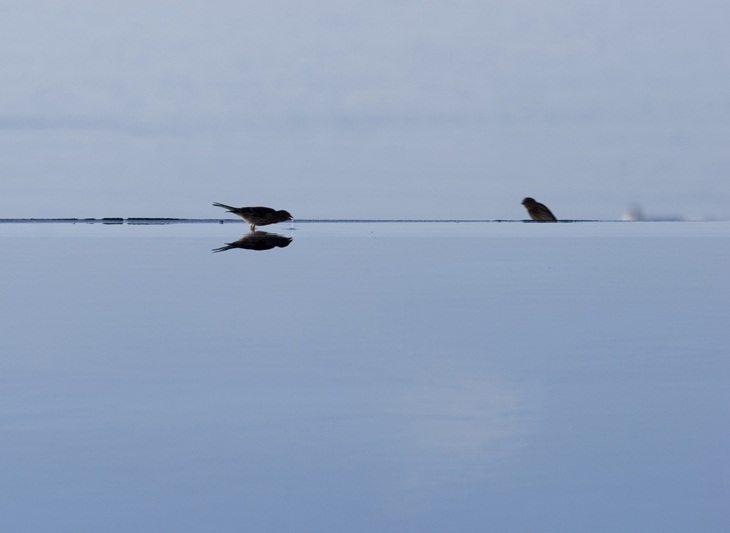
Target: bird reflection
[(257, 240)]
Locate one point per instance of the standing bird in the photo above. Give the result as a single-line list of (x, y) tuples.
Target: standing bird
[(257, 216), (537, 211)]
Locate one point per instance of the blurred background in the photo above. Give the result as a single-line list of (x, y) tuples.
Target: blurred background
[(365, 109)]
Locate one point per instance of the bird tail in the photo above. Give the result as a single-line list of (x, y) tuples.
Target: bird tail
[(223, 248), (224, 206)]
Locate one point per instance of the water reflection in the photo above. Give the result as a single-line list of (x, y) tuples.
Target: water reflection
[(455, 426), (257, 240), (371, 381)]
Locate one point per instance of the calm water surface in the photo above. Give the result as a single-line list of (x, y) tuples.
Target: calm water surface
[(365, 377)]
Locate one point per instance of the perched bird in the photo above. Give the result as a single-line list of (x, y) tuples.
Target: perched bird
[(258, 240), (257, 216), (538, 211)]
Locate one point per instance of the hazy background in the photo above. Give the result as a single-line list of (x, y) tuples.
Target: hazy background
[(372, 109)]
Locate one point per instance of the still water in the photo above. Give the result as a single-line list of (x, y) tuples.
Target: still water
[(365, 377)]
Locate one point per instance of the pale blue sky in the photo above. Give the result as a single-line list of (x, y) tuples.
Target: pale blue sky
[(364, 109)]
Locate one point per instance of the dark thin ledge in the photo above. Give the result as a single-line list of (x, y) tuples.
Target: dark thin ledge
[(162, 221)]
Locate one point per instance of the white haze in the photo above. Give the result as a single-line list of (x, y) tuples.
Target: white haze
[(397, 109)]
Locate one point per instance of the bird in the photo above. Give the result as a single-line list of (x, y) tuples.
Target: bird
[(537, 211), (257, 216)]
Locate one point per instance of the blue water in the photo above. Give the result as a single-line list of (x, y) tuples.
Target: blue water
[(365, 377)]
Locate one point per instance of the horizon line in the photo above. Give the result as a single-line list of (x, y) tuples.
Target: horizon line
[(171, 220)]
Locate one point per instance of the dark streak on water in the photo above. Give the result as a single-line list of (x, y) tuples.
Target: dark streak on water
[(163, 221)]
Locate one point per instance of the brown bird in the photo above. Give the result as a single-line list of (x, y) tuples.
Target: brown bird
[(537, 211), (257, 216)]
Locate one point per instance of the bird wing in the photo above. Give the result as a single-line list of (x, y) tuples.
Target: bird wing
[(258, 210)]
